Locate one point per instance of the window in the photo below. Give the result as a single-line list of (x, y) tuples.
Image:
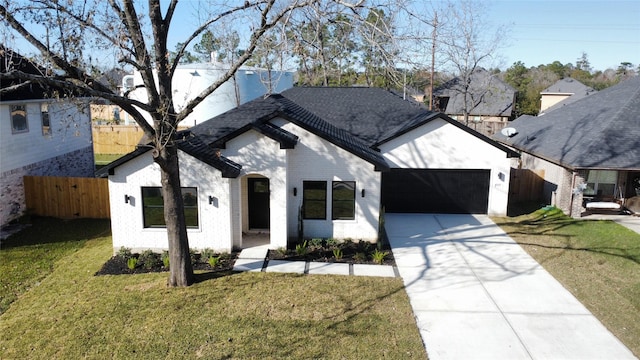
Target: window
[(601, 183), (314, 199), (44, 112), (19, 119), (343, 200), (153, 206)]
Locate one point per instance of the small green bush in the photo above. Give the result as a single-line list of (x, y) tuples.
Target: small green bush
[(124, 252), (132, 263), (214, 260), (337, 253), (378, 256), (149, 259), (165, 259), (282, 250), (301, 249), (331, 242), (360, 257), (194, 256), (206, 254), (316, 243)]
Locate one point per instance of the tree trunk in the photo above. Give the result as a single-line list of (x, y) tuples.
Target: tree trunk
[(180, 268)]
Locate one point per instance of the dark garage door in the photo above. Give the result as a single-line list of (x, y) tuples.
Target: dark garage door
[(436, 191)]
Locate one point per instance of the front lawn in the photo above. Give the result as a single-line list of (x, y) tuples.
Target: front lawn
[(598, 261), (73, 314)]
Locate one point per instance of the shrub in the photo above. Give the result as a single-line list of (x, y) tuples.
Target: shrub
[(124, 252), (194, 256), (378, 256), (331, 242), (337, 253), (206, 254), (132, 263), (301, 249), (282, 251), (364, 246), (214, 260), (360, 257), (149, 259), (165, 259), (316, 243)]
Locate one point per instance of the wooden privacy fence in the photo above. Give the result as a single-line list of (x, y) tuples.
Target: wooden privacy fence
[(67, 197), (526, 185), (116, 139)]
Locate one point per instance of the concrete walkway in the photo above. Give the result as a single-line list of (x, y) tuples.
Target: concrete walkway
[(255, 259), (476, 294)]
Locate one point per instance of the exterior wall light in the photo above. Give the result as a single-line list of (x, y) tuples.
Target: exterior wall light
[(362, 192), (295, 191), (127, 198)]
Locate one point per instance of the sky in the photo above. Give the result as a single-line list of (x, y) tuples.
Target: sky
[(538, 32), (543, 31)]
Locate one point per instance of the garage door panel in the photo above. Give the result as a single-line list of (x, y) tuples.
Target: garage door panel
[(436, 191)]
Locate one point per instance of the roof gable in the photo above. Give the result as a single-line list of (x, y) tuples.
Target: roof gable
[(601, 131), (487, 95)]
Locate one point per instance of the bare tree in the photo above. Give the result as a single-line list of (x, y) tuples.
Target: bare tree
[(467, 44), (139, 33)]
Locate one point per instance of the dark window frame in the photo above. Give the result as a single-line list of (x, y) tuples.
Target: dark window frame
[(153, 210), (45, 120), (341, 205), (15, 111), (312, 201)]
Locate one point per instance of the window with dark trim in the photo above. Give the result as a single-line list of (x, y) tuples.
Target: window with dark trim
[(314, 199), (153, 207), (343, 200), (44, 112), (19, 122)]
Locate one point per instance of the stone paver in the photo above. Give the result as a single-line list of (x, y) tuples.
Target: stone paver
[(286, 266), (248, 264), (325, 268), (373, 270)]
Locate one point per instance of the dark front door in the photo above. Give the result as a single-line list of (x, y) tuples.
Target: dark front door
[(258, 203)]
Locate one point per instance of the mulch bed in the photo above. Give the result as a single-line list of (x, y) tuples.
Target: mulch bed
[(117, 265), (352, 253)]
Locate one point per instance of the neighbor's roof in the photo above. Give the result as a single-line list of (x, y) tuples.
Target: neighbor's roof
[(11, 60), (568, 87), (487, 95), (601, 131)]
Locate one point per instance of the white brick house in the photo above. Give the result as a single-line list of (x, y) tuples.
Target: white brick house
[(40, 135), (327, 158)]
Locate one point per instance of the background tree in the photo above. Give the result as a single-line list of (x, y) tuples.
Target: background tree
[(139, 33), (468, 45)]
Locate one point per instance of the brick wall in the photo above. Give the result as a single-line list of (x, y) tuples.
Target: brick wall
[(78, 163)]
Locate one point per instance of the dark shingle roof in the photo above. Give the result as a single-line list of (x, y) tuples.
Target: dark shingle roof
[(601, 131), (567, 86), (487, 95), (355, 119)]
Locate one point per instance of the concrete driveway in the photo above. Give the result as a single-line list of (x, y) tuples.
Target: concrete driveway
[(477, 295)]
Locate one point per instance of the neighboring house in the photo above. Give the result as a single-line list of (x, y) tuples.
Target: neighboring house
[(102, 111), (589, 149), (311, 162), (42, 133), (487, 101), (563, 92), (190, 80)]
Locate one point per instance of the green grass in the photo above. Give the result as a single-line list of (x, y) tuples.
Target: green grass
[(74, 314), (29, 256), (598, 261), (104, 159)]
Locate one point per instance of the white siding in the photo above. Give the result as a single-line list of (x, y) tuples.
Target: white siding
[(260, 156), (70, 123), (440, 145), (316, 159), (214, 221)]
